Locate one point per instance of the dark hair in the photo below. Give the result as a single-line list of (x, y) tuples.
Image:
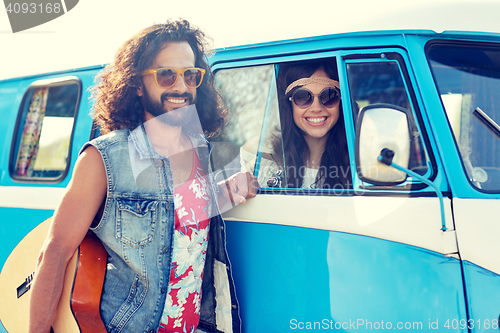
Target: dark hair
[(117, 104), (294, 144)]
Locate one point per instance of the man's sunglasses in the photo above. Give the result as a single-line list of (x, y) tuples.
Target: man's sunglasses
[(304, 98), (166, 77)]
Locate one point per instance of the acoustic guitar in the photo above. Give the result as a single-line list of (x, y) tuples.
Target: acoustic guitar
[(78, 307)]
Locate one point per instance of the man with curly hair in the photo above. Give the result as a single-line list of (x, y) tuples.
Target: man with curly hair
[(145, 189)]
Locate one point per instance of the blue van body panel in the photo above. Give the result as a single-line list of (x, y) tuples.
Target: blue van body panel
[(21, 221), (288, 275), (483, 288)]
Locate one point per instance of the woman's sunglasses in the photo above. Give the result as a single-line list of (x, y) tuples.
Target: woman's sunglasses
[(166, 77), (304, 98)]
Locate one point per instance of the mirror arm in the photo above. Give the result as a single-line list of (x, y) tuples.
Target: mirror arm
[(490, 123), (386, 156)]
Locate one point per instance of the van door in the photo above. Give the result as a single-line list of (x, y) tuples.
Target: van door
[(467, 76), (354, 257), (45, 121)]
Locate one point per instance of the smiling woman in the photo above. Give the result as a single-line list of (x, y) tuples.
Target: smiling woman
[(313, 129), (311, 151), (315, 113)]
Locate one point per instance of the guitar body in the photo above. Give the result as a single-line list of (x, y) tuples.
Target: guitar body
[(78, 307)]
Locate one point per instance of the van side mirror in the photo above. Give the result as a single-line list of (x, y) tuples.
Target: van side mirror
[(382, 126)]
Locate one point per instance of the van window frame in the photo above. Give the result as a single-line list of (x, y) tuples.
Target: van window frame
[(343, 56), (276, 61), (400, 57), (67, 80)]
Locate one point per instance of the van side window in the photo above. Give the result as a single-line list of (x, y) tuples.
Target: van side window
[(468, 80), (41, 145), (286, 134), (252, 119), (376, 81), (314, 140)]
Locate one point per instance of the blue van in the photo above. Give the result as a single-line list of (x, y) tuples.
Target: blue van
[(415, 250)]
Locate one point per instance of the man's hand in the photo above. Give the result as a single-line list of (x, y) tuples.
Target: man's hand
[(238, 188)]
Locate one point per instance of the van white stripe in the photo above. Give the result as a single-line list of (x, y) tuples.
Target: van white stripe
[(30, 197), (412, 221), (478, 228)]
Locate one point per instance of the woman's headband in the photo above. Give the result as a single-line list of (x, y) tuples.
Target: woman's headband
[(307, 80)]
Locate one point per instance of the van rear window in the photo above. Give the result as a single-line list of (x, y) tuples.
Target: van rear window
[(42, 141)]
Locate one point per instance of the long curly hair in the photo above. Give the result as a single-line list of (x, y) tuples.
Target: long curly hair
[(334, 169), (117, 105)]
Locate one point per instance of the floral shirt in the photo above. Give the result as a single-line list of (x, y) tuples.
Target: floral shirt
[(192, 208)]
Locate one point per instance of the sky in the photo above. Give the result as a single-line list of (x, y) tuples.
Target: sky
[(91, 32)]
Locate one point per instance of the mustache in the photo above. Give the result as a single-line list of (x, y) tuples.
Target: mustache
[(187, 95)]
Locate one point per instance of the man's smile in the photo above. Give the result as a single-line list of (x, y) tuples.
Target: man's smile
[(176, 100)]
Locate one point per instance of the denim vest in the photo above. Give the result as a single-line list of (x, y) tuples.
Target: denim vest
[(137, 228)]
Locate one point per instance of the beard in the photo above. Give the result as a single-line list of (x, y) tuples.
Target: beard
[(174, 118)]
